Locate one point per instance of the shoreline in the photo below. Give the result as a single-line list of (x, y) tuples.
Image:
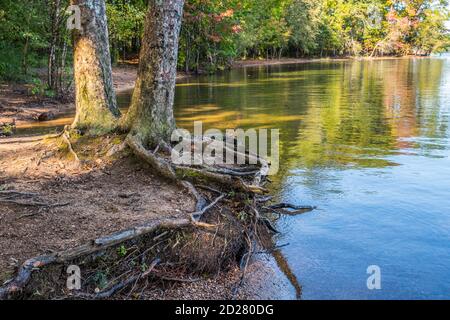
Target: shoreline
[(265, 278), (42, 165), (19, 106)]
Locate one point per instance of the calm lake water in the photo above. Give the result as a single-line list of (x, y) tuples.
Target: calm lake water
[(368, 143)]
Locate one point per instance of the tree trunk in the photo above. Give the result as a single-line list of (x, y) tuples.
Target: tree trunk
[(55, 16), (96, 107), (151, 112), (25, 56)]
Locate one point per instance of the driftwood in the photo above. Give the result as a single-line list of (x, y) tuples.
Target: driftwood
[(289, 209)]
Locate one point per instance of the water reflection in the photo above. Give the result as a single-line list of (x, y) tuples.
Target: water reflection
[(366, 141)]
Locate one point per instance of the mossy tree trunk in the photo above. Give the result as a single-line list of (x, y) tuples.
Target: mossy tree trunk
[(96, 106), (150, 117)]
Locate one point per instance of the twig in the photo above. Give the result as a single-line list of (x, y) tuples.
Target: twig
[(35, 204), (196, 216), (296, 210), (18, 193), (121, 285)]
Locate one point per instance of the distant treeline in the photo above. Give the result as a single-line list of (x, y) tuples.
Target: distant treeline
[(217, 32)]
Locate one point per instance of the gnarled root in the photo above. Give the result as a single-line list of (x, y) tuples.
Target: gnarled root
[(205, 174), (247, 180), (289, 209), (25, 272)]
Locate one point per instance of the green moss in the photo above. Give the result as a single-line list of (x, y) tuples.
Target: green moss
[(7, 129)]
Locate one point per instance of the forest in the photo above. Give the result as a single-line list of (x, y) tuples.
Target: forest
[(215, 33)]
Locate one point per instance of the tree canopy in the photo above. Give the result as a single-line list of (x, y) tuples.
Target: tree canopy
[(217, 32)]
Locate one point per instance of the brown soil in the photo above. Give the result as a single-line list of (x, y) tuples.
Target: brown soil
[(104, 196), (19, 105), (263, 281)]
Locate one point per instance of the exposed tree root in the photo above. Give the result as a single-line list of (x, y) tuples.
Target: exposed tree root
[(16, 193), (69, 146), (34, 203), (108, 293), (231, 178), (180, 172), (27, 199), (248, 197), (289, 209), (196, 216), (25, 272)]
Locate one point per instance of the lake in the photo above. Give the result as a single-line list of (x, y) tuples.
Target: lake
[(368, 143)]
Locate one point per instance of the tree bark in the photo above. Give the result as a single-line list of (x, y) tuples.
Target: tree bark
[(96, 106), (150, 117)]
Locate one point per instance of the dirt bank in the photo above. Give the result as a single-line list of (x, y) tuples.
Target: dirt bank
[(52, 202), (100, 197), (19, 106), (74, 203)]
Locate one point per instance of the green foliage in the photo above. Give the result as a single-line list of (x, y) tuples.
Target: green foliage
[(242, 216), (22, 37), (217, 32), (303, 20), (29, 31), (6, 129), (40, 88), (209, 34), (101, 280), (126, 25), (122, 251), (10, 63), (214, 33)]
